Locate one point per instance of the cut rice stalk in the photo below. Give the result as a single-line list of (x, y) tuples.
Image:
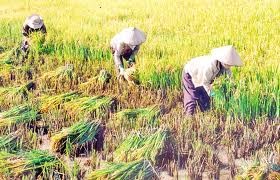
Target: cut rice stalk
[(15, 95), (137, 117), (19, 115), (141, 169), (89, 106), (53, 102), (11, 142), (22, 163), (80, 134), (158, 147), (61, 78)]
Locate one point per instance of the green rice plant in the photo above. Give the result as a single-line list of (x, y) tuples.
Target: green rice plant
[(140, 169), (80, 134), (157, 147), (48, 103), (23, 163), (19, 115), (256, 96), (139, 117), (89, 106), (60, 79)]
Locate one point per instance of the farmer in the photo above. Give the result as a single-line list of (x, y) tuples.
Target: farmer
[(200, 72), (125, 45), (33, 23)]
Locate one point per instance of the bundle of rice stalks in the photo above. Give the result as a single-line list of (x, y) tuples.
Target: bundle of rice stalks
[(158, 147), (15, 95), (19, 115), (11, 142), (23, 163), (60, 79), (137, 117), (102, 79), (253, 170), (89, 106), (141, 169), (81, 135), (54, 102), (6, 73)]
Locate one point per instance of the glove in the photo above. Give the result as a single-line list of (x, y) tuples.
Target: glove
[(122, 71), (212, 94), (25, 46)]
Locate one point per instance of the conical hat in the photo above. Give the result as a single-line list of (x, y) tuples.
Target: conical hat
[(133, 36), (34, 21), (227, 55)]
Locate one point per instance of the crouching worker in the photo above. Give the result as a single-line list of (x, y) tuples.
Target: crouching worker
[(200, 72), (125, 45), (33, 23)]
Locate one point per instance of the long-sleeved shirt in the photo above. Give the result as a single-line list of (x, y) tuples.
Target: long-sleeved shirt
[(204, 70), (122, 50)]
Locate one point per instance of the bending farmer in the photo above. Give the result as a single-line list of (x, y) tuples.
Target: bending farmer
[(33, 23), (200, 72), (125, 45)]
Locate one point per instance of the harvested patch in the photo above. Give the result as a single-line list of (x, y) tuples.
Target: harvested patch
[(60, 79), (24, 163), (158, 147), (81, 135), (49, 103), (141, 169), (89, 106), (19, 115), (140, 117)]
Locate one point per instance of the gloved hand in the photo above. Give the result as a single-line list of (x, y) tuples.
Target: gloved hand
[(25, 46), (122, 71), (212, 94)]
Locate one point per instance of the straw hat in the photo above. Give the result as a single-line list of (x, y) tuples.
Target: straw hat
[(34, 21), (227, 55), (133, 36)]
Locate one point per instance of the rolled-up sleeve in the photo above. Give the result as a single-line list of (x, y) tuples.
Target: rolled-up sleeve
[(117, 60), (209, 74)]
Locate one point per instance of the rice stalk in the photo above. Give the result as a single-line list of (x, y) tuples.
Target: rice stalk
[(19, 115), (22, 163), (141, 169), (101, 79), (157, 147), (139, 117), (11, 142), (60, 79), (76, 136), (89, 106), (15, 95), (48, 103)]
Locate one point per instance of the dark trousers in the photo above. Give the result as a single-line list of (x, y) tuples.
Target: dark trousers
[(194, 96)]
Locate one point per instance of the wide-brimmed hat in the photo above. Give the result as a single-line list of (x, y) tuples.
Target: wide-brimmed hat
[(227, 55), (34, 21), (133, 36)]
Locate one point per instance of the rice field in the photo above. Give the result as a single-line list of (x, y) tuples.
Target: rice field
[(65, 115)]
